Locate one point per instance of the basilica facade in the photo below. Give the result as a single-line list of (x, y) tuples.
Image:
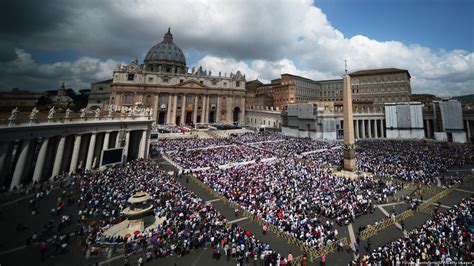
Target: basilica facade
[(176, 94)]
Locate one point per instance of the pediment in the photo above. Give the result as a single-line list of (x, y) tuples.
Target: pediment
[(191, 84)]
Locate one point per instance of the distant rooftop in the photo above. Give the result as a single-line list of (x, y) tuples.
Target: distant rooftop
[(379, 71)]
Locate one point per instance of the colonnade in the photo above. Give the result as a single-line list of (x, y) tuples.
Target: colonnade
[(369, 128), (198, 115), (41, 158)]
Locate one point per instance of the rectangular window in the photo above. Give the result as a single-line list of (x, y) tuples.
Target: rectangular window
[(237, 83), (150, 79), (165, 80), (131, 77), (214, 83)]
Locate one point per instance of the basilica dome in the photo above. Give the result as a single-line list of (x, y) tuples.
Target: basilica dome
[(165, 56)]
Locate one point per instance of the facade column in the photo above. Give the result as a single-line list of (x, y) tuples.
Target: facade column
[(20, 165), (40, 161), (90, 151), (230, 114), (363, 129), (370, 128), (142, 149), (75, 154), (376, 130), (155, 109), (218, 110), (206, 113), (125, 148), (203, 109), (168, 110), (182, 121), (357, 129), (59, 157), (117, 140), (242, 110), (195, 108), (105, 146), (175, 106)]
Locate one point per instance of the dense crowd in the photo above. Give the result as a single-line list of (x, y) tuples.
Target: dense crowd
[(167, 145), (214, 157), (189, 223), (444, 239), (293, 196), (250, 137), (294, 146), (410, 160), (225, 126)]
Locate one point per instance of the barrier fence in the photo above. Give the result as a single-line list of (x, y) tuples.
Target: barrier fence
[(312, 252)]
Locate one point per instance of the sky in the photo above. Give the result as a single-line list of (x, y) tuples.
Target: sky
[(45, 43)]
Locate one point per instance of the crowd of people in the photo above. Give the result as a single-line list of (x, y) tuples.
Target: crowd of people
[(293, 196), (172, 145), (294, 146), (213, 157), (444, 239), (410, 160), (190, 223)]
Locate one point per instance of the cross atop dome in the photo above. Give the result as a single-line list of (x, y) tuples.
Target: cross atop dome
[(168, 38)]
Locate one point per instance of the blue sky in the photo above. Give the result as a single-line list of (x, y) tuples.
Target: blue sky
[(80, 42), (437, 24)]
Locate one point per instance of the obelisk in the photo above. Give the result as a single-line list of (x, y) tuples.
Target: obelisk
[(349, 142)]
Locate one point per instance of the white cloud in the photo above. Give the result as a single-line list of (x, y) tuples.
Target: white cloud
[(261, 38)]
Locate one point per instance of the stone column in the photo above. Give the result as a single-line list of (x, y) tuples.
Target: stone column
[(59, 157), (376, 131), (75, 154), (195, 109), (40, 160), (175, 106), (117, 140), (363, 129), (143, 142), (90, 151), (105, 145), (369, 128), (218, 110), (349, 153), (356, 129), (182, 121), (168, 110), (242, 110), (20, 165), (230, 114), (125, 148), (155, 109), (203, 109)]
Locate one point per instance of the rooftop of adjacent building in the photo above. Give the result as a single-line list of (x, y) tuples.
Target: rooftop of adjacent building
[(379, 71)]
